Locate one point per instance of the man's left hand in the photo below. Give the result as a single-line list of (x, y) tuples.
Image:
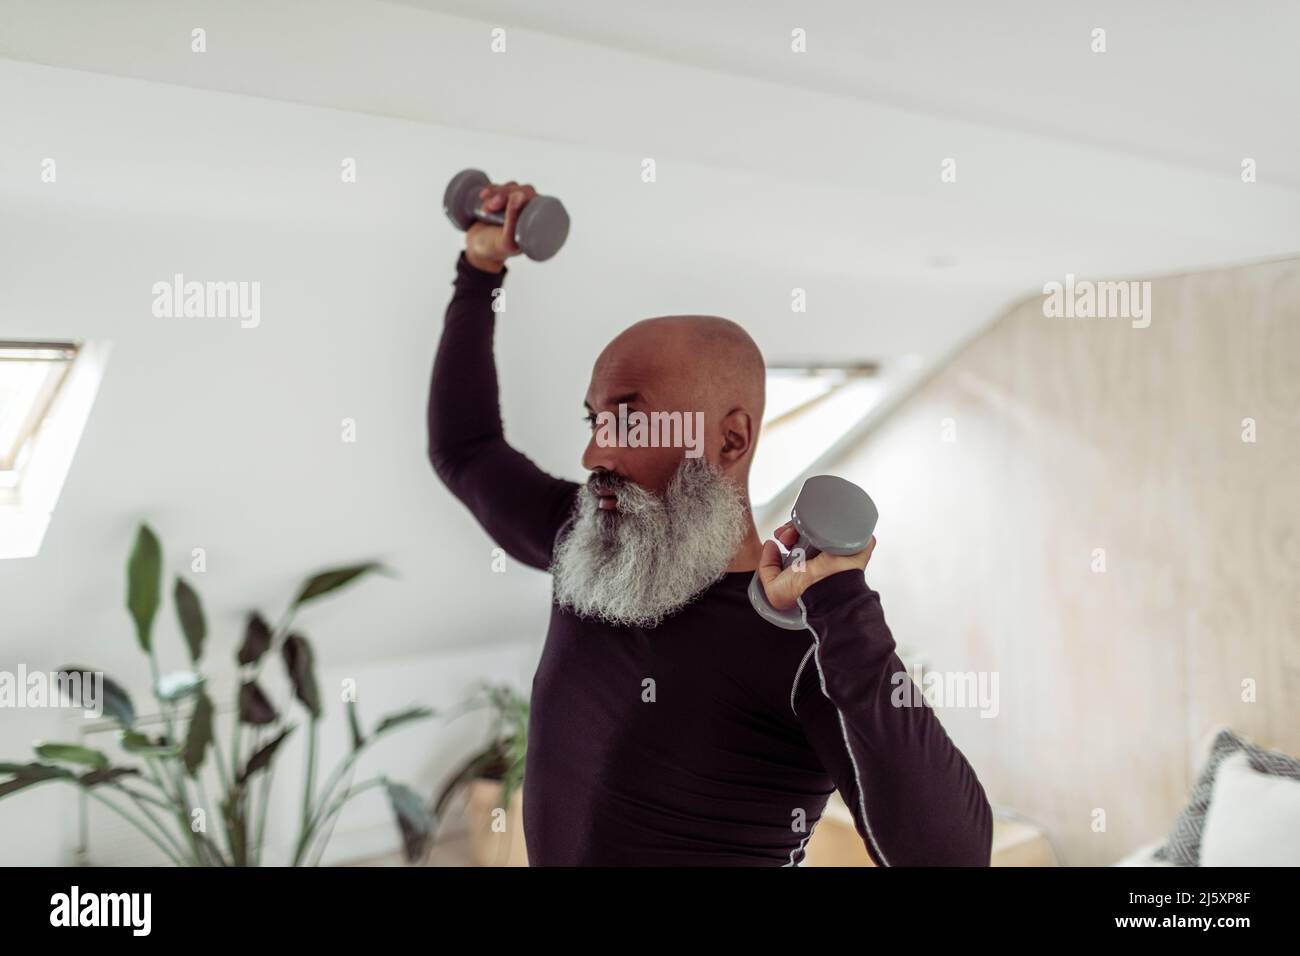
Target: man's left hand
[(783, 586)]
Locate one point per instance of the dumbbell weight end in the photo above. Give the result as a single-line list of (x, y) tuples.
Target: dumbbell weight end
[(831, 515), (540, 230)]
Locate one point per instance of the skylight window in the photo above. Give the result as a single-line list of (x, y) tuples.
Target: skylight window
[(30, 376), (811, 409), (46, 393)]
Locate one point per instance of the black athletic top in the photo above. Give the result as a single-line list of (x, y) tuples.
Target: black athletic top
[(716, 737)]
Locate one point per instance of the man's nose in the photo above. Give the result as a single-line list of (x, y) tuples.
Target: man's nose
[(598, 458)]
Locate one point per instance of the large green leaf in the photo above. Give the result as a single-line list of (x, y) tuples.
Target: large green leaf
[(109, 774), (144, 583), (254, 708), (327, 581), (199, 736), (29, 774), (261, 759), (257, 638), (414, 820), (140, 744), (116, 701), (73, 753), (190, 612), (402, 717), (298, 662)]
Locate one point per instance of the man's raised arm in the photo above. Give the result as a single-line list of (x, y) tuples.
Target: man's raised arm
[(518, 504)]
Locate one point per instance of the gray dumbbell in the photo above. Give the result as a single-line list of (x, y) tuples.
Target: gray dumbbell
[(831, 515), (541, 229)]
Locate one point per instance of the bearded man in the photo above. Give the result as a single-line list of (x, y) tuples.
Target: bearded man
[(670, 724)]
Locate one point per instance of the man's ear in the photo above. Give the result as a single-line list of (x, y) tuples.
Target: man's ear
[(737, 436)]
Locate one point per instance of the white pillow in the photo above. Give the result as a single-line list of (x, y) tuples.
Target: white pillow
[(1253, 819)]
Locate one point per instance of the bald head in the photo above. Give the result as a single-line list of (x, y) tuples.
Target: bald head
[(682, 363), (702, 362)]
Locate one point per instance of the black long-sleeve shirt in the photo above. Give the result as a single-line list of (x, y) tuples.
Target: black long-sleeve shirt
[(716, 737)]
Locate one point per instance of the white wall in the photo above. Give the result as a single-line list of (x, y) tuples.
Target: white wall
[(1077, 509), (229, 439)]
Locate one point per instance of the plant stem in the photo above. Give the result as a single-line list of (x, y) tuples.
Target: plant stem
[(177, 806), (161, 804), (135, 823), (139, 800), (226, 789), (220, 760), (327, 830), (178, 781), (309, 819), (261, 823), (213, 850), (338, 805), (235, 730), (310, 784), (346, 766)]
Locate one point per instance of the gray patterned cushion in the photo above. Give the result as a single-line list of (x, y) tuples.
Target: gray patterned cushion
[(1183, 848)]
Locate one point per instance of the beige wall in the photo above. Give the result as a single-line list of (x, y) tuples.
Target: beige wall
[(1077, 434)]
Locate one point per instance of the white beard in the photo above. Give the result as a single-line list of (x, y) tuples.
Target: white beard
[(652, 556)]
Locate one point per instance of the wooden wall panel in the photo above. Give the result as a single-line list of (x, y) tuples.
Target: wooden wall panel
[(1084, 433)]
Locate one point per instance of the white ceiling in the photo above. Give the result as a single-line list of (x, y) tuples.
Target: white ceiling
[(1191, 82), (1125, 163), (226, 165)]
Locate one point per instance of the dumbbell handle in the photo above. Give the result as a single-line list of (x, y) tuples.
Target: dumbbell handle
[(483, 215), (495, 218), (540, 230), (833, 511), (809, 552)]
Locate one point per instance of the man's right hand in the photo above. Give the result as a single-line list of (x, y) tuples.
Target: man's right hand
[(487, 246)]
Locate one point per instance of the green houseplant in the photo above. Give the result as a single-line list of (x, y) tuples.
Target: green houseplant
[(494, 773), (502, 758), (163, 794)]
